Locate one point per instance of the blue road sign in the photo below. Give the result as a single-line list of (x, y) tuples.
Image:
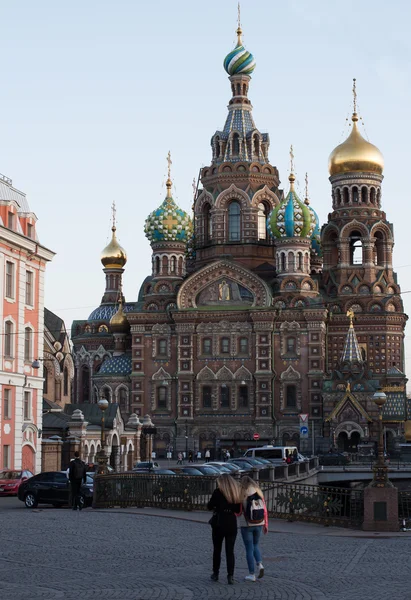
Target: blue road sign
[(304, 431)]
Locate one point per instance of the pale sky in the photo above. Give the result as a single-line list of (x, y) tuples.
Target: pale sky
[(94, 93)]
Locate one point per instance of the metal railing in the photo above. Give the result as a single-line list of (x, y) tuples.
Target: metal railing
[(183, 492), (316, 504), (404, 508)]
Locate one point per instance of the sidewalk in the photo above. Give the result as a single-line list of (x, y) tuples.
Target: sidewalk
[(275, 526)]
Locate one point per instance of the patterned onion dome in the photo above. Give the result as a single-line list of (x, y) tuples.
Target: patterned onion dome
[(355, 154), (291, 218), (113, 255), (168, 222), (239, 61)]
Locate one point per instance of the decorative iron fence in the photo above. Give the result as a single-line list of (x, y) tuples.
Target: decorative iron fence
[(182, 492), (316, 504), (404, 509)]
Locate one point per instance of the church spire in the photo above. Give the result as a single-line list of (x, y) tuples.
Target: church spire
[(352, 352)]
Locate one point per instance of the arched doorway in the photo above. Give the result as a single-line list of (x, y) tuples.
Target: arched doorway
[(354, 441), (342, 442), (27, 459)]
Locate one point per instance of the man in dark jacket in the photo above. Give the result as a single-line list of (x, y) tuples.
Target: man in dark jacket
[(77, 476)]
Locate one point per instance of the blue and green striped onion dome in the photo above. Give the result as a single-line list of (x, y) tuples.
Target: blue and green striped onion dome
[(292, 218), (239, 61), (168, 222)]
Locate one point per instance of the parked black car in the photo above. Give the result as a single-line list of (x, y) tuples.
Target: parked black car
[(52, 487)]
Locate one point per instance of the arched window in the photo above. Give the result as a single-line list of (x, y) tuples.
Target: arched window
[(65, 382), (207, 397), (162, 396), (45, 382), (291, 262), (364, 195), (164, 270), (300, 261), (243, 396), (173, 264), (106, 394), (262, 221), (338, 197), (217, 147), (283, 267), (225, 345), (379, 249), (8, 339), (243, 345), (378, 197), (157, 268), (345, 195), (123, 399), (291, 345), (356, 256), (372, 195), (291, 396), (162, 347), (224, 396), (85, 383), (207, 346), (354, 192), (256, 146), (28, 342), (208, 230), (235, 145), (234, 217)]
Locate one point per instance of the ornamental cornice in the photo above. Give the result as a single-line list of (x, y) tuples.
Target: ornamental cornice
[(356, 177)]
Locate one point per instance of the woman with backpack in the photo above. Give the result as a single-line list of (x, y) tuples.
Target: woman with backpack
[(253, 522), (226, 504)]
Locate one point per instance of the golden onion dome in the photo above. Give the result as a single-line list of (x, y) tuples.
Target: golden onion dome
[(119, 322), (113, 255), (355, 154)]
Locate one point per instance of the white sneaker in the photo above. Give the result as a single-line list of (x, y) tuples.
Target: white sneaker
[(260, 568), (250, 577)]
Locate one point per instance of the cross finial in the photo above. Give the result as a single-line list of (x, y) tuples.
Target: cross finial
[(170, 162), (194, 185), (350, 315), (113, 215), (354, 93), (239, 30), (306, 185), (291, 159)]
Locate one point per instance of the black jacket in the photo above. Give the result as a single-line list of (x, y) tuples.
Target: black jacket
[(76, 468), (224, 511)]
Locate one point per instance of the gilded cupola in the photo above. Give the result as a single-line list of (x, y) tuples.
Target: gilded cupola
[(119, 322), (113, 256), (355, 154)]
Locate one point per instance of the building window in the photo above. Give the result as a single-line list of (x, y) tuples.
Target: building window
[(27, 406), (225, 345), (243, 396), (8, 339), (206, 396), (30, 230), (162, 397), (208, 226), (225, 396), (9, 280), (6, 457), (262, 222), (28, 340), (7, 403), (291, 396), (57, 392), (234, 218), (85, 383), (123, 399), (29, 288), (243, 346), (65, 382), (207, 346), (291, 344), (45, 382), (162, 347), (10, 220)]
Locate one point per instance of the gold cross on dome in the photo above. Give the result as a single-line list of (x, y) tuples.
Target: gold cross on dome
[(291, 159), (113, 213), (170, 162), (170, 221), (194, 187), (350, 315), (306, 185), (354, 93)]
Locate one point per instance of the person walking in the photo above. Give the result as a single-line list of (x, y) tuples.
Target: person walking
[(180, 458), (199, 455), (207, 456), (190, 457), (253, 522), (226, 504), (77, 475)]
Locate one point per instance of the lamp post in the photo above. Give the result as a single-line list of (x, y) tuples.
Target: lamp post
[(101, 456), (149, 430), (380, 468), (186, 424)]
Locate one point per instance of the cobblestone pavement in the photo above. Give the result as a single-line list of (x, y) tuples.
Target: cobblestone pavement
[(61, 554)]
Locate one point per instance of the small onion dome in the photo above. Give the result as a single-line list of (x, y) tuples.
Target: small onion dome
[(355, 154), (291, 218), (316, 235), (168, 222), (239, 61), (113, 255), (119, 322)]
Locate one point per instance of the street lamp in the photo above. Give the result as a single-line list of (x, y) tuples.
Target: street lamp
[(186, 424), (380, 469), (101, 455)]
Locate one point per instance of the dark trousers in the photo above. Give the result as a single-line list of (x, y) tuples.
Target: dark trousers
[(75, 486), (218, 537)]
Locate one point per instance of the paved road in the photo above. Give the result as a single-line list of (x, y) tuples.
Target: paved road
[(60, 554)]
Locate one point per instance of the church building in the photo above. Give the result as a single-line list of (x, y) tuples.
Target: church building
[(254, 318)]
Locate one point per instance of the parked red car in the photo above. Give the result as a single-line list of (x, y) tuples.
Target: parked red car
[(10, 481)]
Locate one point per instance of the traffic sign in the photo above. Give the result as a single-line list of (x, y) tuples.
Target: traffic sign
[(304, 431), (256, 436)]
